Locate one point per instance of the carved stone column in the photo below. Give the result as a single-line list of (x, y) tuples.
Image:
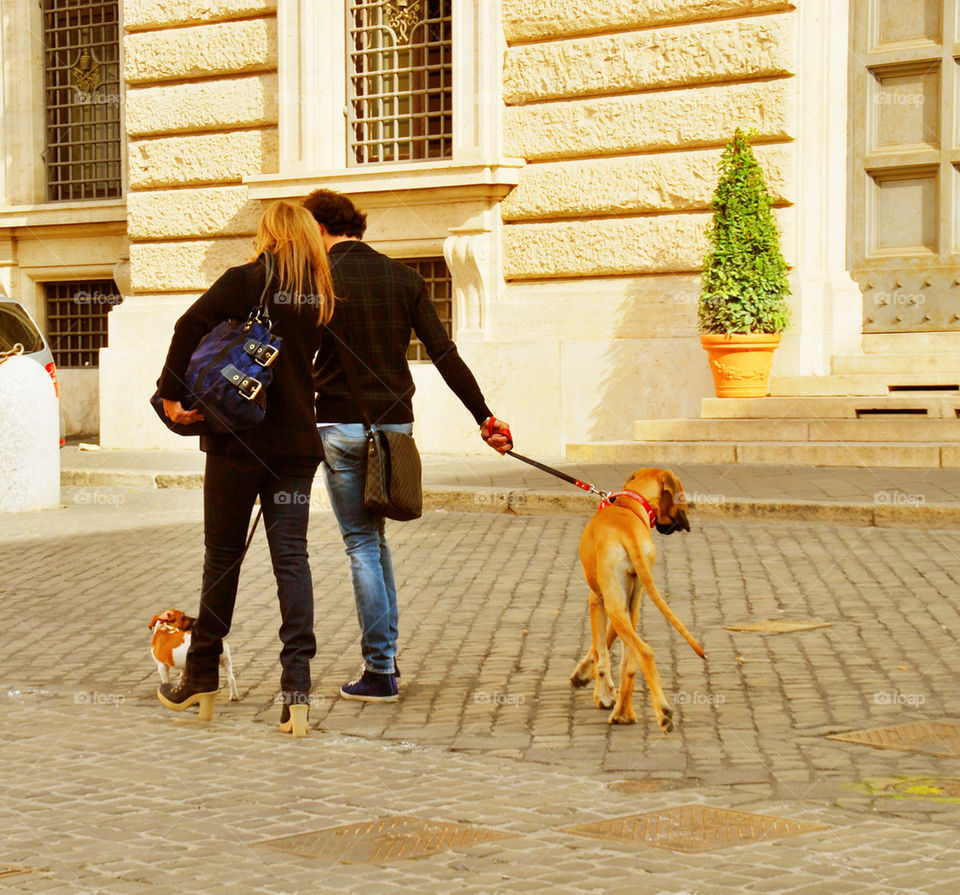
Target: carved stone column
[(471, 260)]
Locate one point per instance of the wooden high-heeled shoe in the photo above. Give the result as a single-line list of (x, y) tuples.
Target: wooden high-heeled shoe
[(293, 718)]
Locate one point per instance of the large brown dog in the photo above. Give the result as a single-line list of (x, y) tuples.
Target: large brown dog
[(617, 553)]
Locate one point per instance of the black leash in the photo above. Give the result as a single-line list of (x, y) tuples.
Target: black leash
[(586, 486), (253, 528)]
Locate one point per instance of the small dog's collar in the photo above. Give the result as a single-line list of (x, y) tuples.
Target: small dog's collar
[(651, 512)]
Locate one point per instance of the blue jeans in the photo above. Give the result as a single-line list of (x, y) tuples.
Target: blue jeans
[(230, 487), (344, 450)]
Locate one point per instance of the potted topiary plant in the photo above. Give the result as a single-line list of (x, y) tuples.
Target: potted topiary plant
[(743, 306)]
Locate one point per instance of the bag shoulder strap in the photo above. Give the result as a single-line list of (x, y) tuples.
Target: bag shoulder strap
[(262, 310), (353, 378)]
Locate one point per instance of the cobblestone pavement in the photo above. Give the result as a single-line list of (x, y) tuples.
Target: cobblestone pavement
[(103, 791)]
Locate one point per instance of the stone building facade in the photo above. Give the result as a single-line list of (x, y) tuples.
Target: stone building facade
[(565, 182)]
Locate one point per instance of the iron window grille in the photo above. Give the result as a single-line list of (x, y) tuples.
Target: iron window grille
[(81, 42), (400, 82), (440, 289), (77, 320)]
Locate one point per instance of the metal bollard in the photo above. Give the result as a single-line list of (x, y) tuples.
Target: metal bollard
[(29, 437)]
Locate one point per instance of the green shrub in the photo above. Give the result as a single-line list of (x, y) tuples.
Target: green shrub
[(744, 285)]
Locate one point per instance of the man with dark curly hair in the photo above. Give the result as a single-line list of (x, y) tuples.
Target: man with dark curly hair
[(381, 302)]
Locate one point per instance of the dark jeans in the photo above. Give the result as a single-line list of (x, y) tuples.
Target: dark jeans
[(230, 487)]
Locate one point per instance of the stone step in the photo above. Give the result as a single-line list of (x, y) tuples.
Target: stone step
[(861, 455), (800, 430), (848, 385), (942, 364), (924, 405), (910, 343)]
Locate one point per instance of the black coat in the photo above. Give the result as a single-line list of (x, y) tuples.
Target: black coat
[(379, 302), (289, 427)]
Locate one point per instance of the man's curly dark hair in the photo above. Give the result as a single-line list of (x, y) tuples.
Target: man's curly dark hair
[(337, 213)]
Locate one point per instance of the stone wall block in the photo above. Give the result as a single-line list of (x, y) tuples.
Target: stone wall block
[(647, 60), (671, 182), (205, 158), (249, 100), (140, 15), (184, 53), (640, 245), (642, 307), (185, 266), (173, 214), (612, 246), (550, 19), (677, 119)]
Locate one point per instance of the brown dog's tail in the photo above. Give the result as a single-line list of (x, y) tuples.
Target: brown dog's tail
[(646, 579)]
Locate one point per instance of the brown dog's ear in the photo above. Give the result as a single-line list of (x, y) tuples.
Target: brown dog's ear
[(671, 491), (175, 617), (187, 623)]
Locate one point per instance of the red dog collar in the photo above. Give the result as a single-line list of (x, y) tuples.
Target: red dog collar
[(651, 512)]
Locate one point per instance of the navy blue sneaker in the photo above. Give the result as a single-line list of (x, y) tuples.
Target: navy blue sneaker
[(372, 687), (396, 669)]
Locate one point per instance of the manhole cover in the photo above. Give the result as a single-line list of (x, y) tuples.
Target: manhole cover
[(386, 839), (938, 789), (9, 870), (780, 626), (639, 787), (929, 737), (694, 828)]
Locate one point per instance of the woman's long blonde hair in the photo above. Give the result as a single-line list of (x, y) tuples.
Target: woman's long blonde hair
[(291, 234)]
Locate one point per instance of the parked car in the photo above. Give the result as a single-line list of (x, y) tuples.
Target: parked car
[(17, 326)]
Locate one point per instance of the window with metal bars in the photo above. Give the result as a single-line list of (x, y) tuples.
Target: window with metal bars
[(77, 320), (400, 80), (81, 42), (440, 288)]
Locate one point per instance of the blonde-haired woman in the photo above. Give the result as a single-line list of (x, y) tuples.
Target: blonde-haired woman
[(275, 461)]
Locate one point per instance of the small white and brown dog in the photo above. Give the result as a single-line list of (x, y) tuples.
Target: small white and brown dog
[(171, 641)]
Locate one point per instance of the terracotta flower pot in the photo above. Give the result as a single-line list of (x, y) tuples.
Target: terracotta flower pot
[(741, 363)]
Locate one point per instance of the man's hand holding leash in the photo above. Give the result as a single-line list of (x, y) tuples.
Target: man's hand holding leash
[(496, 433)]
